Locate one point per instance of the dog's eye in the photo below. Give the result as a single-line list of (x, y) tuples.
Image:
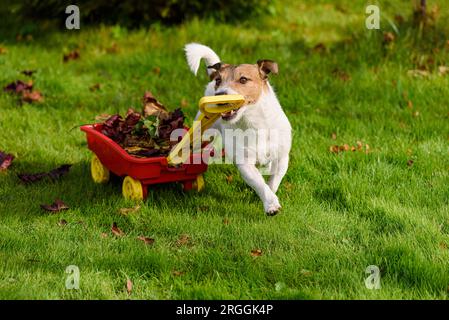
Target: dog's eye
[(217, 81), (243, 80)]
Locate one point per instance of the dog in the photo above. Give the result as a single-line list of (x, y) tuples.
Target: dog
[(261, 111)]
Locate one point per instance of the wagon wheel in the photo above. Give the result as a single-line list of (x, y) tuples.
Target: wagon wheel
[(100, 174), (198, 184), (133, 189)]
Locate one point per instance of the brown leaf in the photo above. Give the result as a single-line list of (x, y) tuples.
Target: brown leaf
[(334, 149), (320, 48), (226, 221), (443, 70), (28, 73), (33, 96), (229, 178), (73, 55), (388, 37), (56, 206), (178, 273), (156, 70), (418, 73), (53, 174), (5, 160), (334, 136), (184, 103), (116, 230), (126, 211), (104, 235), (410, 162), (95, 87), (146, 240), (62, 222), (184, 239), (129, 286), (256, 252)]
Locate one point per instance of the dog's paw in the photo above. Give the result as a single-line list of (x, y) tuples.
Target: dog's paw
[(272, 208)]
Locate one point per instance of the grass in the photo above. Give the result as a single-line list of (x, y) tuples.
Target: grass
[(341, 212)]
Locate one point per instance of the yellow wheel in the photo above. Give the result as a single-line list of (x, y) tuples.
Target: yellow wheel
[(198, 184), (132, 189), (100, 174)]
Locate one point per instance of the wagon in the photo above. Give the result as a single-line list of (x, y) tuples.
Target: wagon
[(139, 173)]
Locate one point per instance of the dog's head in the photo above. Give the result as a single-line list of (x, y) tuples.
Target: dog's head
[(248, 80)]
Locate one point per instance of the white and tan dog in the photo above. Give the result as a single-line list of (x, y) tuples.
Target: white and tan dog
[(261, 112)]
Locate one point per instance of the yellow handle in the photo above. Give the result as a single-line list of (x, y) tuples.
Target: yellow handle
[(211, 109)]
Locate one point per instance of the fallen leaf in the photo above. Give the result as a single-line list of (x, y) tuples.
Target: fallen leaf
[(19, 86), (334, 136), (178, 273), (410, 162), (184, 239), (256, 252), (73, 55), (53, 174), (146, 240), (62, 222), (184, 103), (33, 96), (226, 221), (104, 235), (28, 73), (156, 70), (320, 48), (409, 104), (443, 70), (5, 160), (229, 178), (56, 206), (129, 286), (126, 211), (334, 149), (418, 73), (388, 37), (116, 230), (95, 87)]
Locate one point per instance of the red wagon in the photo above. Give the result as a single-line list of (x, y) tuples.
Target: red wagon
[(139, 173)]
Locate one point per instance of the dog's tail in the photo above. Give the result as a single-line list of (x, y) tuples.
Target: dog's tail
[(195, 52)]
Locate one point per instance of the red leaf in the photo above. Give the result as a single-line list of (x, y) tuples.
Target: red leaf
[(53, 174), (73, 55)]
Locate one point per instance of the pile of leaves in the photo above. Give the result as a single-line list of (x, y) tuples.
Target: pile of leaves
[(5, 160), (146, 133)]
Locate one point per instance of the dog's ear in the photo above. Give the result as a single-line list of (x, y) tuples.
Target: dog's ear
[(266, 67), (213, 70)]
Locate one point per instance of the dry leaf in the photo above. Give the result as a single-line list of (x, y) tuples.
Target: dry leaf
[(184, 103), (229, 178), (178, 273), (116, 230), (129, 286), (5, 160), (226, 221), (256, 252), (184, 239), (388, 37), (104, 235), (62, 222), (146, 240), (418, 73), (126, 211), (73, 55), (410, 162), (334, 136), (33, 96), (56, 206), (157, 70), (95, 87), (443, 70)]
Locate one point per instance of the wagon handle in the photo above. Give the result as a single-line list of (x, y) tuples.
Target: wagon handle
[(211, 109)]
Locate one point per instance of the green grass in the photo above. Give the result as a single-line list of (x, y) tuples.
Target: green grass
[(341, 212)]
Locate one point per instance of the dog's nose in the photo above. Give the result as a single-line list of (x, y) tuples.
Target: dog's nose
[(221, 93)]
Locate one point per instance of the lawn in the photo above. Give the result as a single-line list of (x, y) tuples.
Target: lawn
[(339, 83)]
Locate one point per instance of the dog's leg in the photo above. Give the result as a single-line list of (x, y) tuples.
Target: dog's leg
[(279, 168), (255, 180)]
